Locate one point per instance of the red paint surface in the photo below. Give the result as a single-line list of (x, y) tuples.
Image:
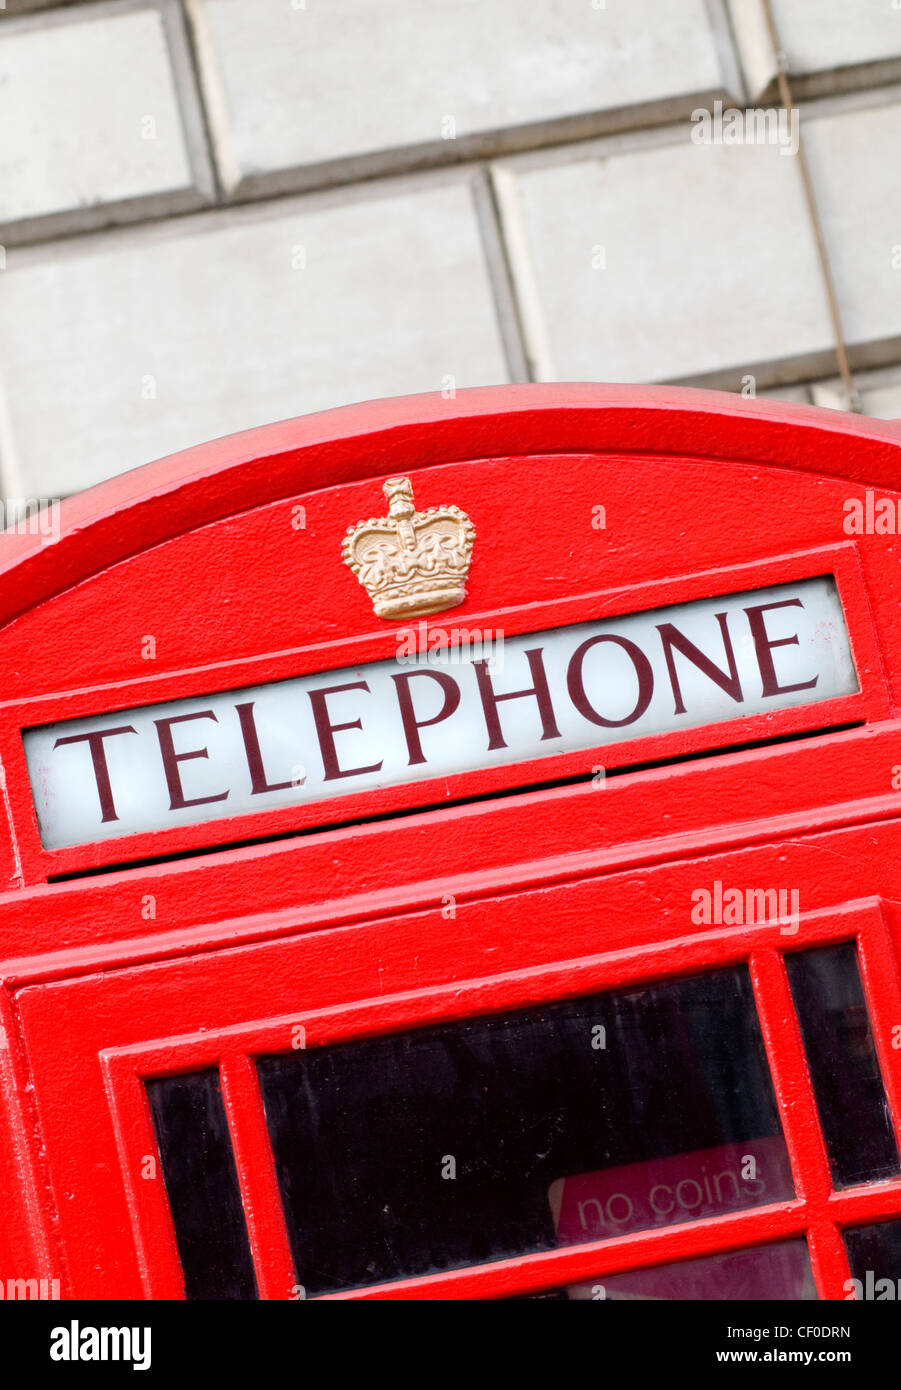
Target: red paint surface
[(134, 971)]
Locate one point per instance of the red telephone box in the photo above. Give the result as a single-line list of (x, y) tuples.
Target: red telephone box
[(452, 850)]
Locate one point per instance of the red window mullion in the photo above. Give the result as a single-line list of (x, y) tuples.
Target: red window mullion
[(260, 1197), (800, 1120), (879, 972), (866, 1204), (817, 1211), (595, 1260), (156, 1246)]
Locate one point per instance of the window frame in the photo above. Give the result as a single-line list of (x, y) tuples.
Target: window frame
[(818, 1212)]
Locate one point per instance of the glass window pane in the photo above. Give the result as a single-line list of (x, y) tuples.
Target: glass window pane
[(490, 1137), (762, 1272), (838, 1039), (874, 1253), (202, 1185)]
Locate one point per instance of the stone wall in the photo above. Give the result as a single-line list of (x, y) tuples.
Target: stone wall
[(218, 213)]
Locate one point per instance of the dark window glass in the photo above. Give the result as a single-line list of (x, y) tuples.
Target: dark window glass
[(490, 1137), (202, 1185), (844, 1068), (762, 1272), (874, 1253)]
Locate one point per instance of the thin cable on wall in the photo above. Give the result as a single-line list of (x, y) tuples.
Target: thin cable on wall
[(785, 96)]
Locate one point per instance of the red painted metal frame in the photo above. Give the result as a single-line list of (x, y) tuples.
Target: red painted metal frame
[(101, 1019), (558, 890), (871, 704), (146, 507), (637, 427), (818, 1211)]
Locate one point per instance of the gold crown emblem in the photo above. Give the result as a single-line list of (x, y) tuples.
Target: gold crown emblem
[(411, 562)]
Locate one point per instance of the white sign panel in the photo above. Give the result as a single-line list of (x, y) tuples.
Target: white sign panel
[(462, 704)]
